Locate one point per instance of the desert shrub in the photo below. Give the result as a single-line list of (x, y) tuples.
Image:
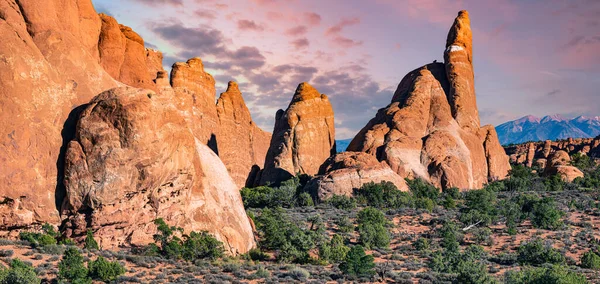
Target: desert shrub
[(357, 263), (469, 272), (196, 245), (256, 197), (18, 273), (535, 252), (372, 228), (422, 244), (480, 206), (170, 245), (334, 251), (90, 242), (288, 194), (424, 203), (342, 202), (202, 245), (511, 211), (48, 236), (71, 268), (256, 255), (6, 253), (383, 195), (554, 183), (483, 236), (345, 225), (581, 161), (546, 215), (104, 270), (278, 233), (547, 275), (304, 199), (450, 236), (590, 260), (422, 189)]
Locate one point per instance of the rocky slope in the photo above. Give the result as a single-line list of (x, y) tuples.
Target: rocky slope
[(303, 137), (126, 157), (431, 127), (554, 127)]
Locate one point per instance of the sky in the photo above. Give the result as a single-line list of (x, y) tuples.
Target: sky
[(533, 57)]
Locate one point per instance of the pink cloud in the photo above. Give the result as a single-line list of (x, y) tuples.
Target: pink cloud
[(297, 31), (312, 18), (300, 43), (249, 25), (346, 22)]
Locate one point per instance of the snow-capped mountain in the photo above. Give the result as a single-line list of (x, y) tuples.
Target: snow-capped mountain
[(551, 127)]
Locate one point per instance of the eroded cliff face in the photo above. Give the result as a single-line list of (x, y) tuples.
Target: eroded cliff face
[(117, 162), (431, 128), (135, 159), (303, 137)]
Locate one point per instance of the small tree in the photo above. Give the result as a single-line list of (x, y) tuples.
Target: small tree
[(546, 215), (90, 242), (473, 273), (202, 245), (372, 228), (535, 252), (71, 267), (19, 273), (357, 263), (590, 260), (101, 269)]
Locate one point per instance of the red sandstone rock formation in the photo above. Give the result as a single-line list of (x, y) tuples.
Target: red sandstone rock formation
[(242, 144), (346, 171), (55, 56), (559, 163), (135, 159), (541, 151), (303, 137), (431, 128)]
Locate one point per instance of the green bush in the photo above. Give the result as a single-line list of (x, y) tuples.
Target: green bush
[(202, 245), (469, 272), (383, 195), (590, 260), (424, 203), (334, 251), (342, 202), (288, 194), (257, 255), (422, 189), (357, 263), (582, 161), (104, 270), (71, 267), (47, 237), (90, 242), (535, 252), (278, 233), (546, 215), (547, 275), (422, 244), (372, 228), (194, 246), (18, 273)]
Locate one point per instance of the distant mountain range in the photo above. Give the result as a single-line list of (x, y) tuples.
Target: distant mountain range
[(551, 127)]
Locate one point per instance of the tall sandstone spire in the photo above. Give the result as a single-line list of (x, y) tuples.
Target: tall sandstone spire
[(242, 144), (458, 57), (303, 137), (430, 130)]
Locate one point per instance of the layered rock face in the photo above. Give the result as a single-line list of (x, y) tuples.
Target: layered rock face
[(346, 171), (48, 65), (303, 137), (431, 128), (127, 157), (242, 144), (134, 159)]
